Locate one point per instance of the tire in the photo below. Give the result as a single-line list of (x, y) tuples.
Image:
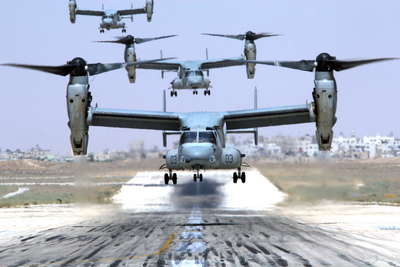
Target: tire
[(243, 177), (235, 177), (174, 178), (166, 178), (194, 177), (201, 177)]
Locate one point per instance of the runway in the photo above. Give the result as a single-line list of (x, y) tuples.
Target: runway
[(212, 223)]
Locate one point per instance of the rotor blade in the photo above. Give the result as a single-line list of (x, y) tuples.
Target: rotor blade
[(239, 36), (99, 68), (262, 35), (121, 40), (339, 65), (143, 40), (62, 70)]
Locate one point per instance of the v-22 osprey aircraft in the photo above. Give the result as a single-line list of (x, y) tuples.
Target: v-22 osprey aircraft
[(190, 73), (111, 19), (202, 143)]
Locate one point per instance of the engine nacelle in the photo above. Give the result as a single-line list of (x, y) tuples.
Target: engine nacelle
[(230, 159), (130, 56), (78, 102), (149, 9), (172, 160), (72, 9), (325, 99), (250, 53), (177, 83)]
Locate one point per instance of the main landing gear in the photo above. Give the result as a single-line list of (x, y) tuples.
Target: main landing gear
[(195, 92), (239, 175), (123, 30), (169, 177), (174, 93), (102, 31), (207, 92)]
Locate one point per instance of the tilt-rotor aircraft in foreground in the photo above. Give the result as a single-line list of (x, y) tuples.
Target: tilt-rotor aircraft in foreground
[(111, 19), (202, 143), (190, 73)]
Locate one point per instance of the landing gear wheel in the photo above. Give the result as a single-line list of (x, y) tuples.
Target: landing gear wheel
[(176, 93), (194, 177), (235, 177), (243, 177), (172, 93), (123, 30), (205, 92), (201, 177), (166, 178), (194, 92), (102, 31), (174, 178)]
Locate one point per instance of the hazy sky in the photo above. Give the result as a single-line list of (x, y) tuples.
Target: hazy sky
[(32, 104)]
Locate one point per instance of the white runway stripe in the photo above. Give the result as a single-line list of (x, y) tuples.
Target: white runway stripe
[(186, 247)]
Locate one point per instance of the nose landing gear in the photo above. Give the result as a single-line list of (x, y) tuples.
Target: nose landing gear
[(207, 92), (198, 176), (171, 176), (174, 93)]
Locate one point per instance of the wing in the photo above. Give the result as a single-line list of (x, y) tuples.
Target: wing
[(265, 117), (150, 120), (164, 65), (132, 11), (221, 63), (89, 12)]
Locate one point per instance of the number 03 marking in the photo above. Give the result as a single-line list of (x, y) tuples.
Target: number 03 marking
[(228, 158)]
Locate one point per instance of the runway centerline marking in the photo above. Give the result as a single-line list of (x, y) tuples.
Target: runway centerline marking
[(162, 250)]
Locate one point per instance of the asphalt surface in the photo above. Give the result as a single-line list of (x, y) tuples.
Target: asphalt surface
[(201, 224)]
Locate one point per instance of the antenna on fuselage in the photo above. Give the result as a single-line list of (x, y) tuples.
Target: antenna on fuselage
[(255, 107), (208, 71), (162, 72), (165, 102)]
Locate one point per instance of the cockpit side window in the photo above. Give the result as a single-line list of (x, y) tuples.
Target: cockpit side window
[(188, 137), (207, 137), (198, 72)]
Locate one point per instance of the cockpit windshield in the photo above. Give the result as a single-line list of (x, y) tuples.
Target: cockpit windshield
[(193, 73), (207, 137), (189, 73), (188, 137), (198, 72)]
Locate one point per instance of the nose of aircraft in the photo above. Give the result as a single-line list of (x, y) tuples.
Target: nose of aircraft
[(195, 81), (107, 21), (197, 154)]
